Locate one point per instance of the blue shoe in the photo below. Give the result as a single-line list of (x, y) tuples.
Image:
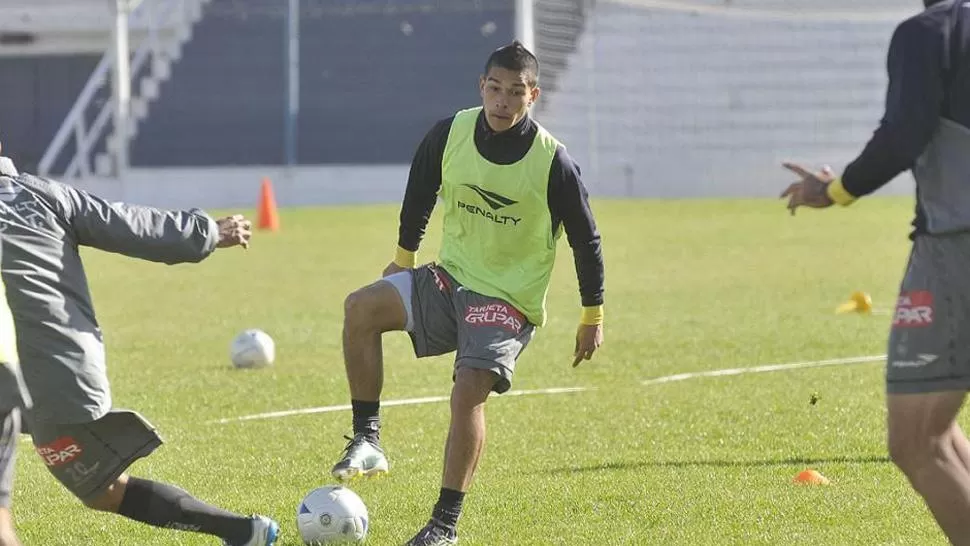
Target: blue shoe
[(265, 533)]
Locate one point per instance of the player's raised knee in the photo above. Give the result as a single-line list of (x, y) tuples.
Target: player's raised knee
[(355, 305), (360, 307), (374, 308)]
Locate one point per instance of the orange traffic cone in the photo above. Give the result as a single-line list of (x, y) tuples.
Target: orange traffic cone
[(811, 477), (268, 215)]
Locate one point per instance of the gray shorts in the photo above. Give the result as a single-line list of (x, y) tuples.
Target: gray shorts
[(929, 345), (443, 316), (9, 429), (88, 457)]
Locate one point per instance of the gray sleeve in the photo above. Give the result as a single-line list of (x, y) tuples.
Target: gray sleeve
[(151, 234), (13, 391)]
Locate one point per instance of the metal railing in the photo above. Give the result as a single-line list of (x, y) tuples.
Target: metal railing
[(166, 27)]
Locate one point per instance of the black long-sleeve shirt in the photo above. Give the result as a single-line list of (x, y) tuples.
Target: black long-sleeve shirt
[(567, 197), (929, 78)]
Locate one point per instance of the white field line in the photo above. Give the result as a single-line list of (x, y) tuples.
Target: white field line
[(765, 369), (385, 404), (567, 390)]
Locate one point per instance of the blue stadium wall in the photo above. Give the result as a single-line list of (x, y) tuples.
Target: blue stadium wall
[(35, 95), (374, 76)]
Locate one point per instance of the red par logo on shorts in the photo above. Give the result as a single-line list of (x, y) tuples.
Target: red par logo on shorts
[(61, 451), (914, 309), (495, 314)]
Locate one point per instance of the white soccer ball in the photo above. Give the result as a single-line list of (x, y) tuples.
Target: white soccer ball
[(252, 349), (332, 515)]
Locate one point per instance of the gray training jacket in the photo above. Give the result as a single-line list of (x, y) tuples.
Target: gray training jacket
[(42, 224), (13, 392)]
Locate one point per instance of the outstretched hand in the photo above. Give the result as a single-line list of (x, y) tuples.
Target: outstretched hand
[(811, 190), (234, 230)]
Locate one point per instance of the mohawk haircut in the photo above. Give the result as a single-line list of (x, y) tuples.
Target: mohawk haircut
[(517, 58)]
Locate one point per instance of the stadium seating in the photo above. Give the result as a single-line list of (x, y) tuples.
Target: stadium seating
[(675, 103)]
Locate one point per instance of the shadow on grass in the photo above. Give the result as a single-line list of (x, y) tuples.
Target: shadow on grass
[(791, 461)]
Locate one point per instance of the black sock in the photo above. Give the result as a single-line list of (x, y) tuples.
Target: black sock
[(367, 418), (448, 507), (167, 506)]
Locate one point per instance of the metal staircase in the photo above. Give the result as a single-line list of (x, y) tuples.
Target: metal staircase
[(87, 141), (558, 27)]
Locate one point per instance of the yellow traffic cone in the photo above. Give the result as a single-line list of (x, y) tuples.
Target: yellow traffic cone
[(859, 302)]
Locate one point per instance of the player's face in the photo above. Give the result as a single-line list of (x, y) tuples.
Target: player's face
[(506, 97)]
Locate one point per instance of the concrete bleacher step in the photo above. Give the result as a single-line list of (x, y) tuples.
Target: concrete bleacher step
[(558, 27), (162, 68), (139, 105), (220, 103), (670, 103), (160, 28)]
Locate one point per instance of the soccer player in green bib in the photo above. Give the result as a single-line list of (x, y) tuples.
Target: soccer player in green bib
[(508, 190)]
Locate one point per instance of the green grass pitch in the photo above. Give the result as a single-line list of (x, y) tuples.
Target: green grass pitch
[(691, 286)]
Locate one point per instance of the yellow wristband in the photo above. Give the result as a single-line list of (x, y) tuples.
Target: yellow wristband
[(405, 258), (592, 315), (837, 193)]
